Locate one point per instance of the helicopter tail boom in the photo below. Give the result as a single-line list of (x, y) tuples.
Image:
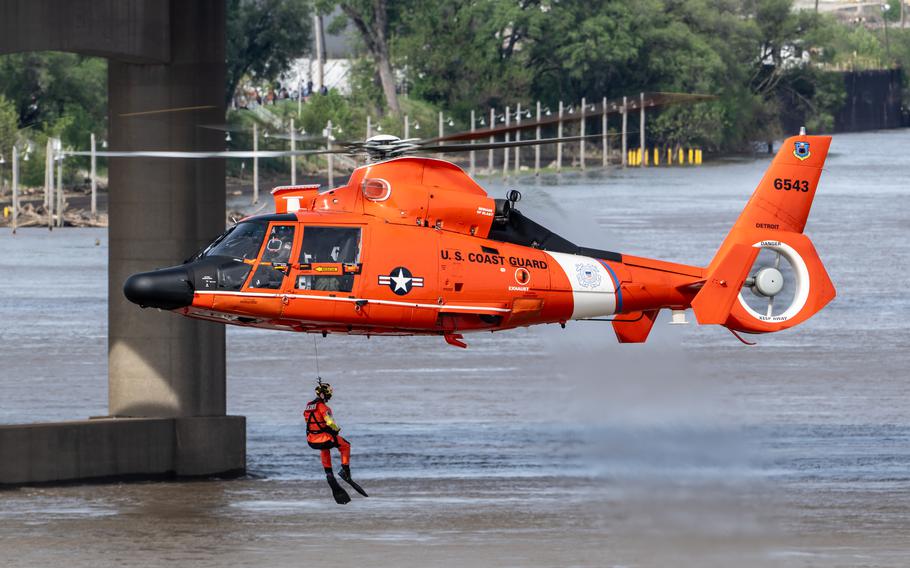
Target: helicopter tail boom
[(767, 275)]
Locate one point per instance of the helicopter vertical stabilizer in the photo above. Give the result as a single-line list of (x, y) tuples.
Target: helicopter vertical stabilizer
[(767, 276)]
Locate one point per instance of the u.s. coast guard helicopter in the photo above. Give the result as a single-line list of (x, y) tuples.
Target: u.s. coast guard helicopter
[(413, 246)]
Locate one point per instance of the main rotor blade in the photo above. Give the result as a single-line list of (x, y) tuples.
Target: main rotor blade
[(511, 144), (200, 155)]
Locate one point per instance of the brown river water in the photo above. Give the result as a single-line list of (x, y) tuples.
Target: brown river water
[(537, 447)]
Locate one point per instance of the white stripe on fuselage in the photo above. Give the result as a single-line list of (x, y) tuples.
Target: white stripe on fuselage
[(593, 290)]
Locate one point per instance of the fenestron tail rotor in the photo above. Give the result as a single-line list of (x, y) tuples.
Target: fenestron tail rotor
[(770, 288)]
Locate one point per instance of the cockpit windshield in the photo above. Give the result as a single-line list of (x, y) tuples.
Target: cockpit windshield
[(241, 241)]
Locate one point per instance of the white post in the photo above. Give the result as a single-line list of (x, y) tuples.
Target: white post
[(51, 199), (625, 121), (370, 127), (15, 218), (517, 138), (537, 147), (559, 144), (331, 158), (94, 174), (490, 157), (505, 151), (407, 126), (293, 158), (581, 143), (605, 149), (440, 125), (641, 130), (61, 199), (471, 154), (255, 164), (48, 173)]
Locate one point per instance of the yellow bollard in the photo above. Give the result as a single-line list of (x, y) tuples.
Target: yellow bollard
[(681, 159), (656, 157), (645, 155), (669, 156), (691, 157), (698, 157), (6, 212)]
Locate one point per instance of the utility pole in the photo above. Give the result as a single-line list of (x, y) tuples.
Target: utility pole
[(537, 146), (255, 164), (559, 136), (320, 48), (625, 123), (605, 149), (641, 129), (490, 156), (517, 138), (581, 143), (61, 199), (505, 151), (94, 175), (471, 155), (15, 218), (48, 172), (293, 157), (331, 158)]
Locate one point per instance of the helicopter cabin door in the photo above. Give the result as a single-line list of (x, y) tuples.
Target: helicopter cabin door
[(326, 278), (263, 289)]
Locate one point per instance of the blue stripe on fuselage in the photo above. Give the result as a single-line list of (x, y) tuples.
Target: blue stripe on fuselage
[(616, 285)]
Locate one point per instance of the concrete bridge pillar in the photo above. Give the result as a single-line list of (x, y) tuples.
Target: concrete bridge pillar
[(166, 78), (161, 212)]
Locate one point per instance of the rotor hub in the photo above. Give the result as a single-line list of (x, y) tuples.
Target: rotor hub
[(768, 282)]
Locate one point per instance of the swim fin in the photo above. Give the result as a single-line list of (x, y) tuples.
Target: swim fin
[(341, 496), (345, 474)]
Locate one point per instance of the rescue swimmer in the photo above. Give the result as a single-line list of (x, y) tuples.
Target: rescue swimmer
[(322, 433)]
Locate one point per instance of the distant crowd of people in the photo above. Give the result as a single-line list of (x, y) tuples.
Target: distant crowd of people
[(252, 96)]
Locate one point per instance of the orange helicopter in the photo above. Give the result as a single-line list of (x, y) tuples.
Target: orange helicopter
[(414, 246)]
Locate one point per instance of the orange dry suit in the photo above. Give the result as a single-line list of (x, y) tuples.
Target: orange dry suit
[(322, 432)]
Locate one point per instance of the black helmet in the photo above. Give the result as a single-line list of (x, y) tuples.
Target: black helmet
[(323, 390)]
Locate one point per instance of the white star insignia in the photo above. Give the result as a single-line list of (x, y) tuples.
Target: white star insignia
[(401, 281)]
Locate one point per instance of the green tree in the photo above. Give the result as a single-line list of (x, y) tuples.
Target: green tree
[(47, 88), (264, 37), (8, 126), (466, 54), (376, 21)]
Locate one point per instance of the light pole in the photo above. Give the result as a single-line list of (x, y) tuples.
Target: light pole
[(885, 8)]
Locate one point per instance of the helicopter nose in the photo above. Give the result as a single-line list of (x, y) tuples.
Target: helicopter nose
[(166, 289)]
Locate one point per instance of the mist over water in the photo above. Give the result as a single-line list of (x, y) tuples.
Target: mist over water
[(537, 446)]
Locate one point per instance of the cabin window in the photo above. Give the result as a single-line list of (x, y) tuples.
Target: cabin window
[(330, 244), (329, 258)]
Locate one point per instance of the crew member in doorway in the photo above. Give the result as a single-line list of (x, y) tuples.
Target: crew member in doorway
[(322, 433)]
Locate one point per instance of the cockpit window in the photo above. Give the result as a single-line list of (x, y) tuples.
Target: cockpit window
[(278, 247), (240, 242)]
